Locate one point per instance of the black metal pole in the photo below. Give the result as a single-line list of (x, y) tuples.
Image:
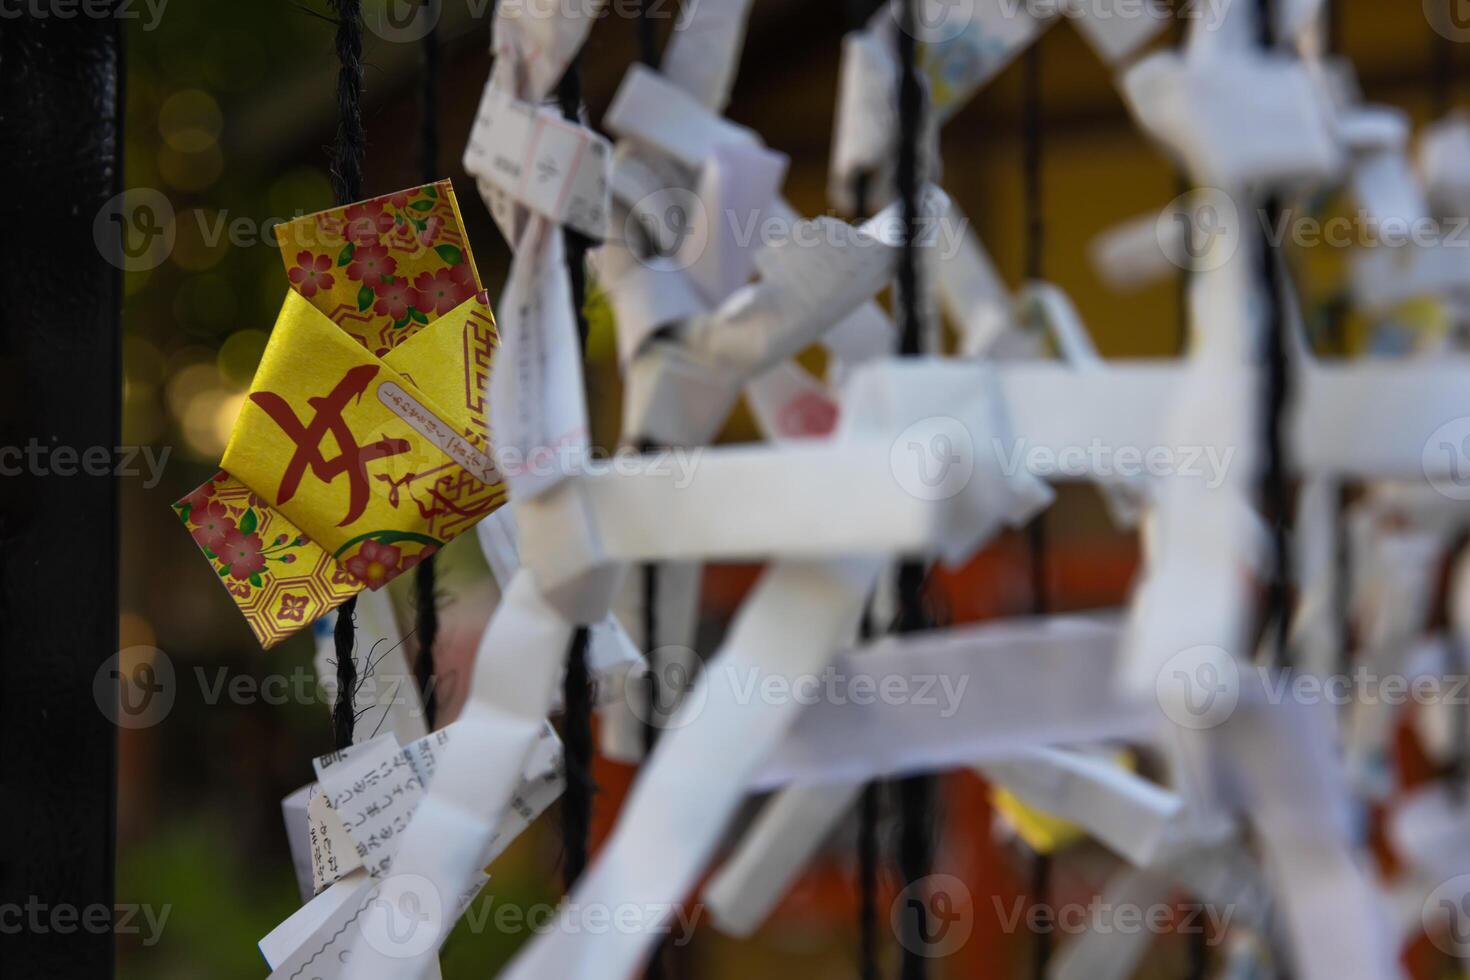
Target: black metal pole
[(60, 391)]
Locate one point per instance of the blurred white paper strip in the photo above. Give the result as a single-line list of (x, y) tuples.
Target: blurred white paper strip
[(556, 168), (704, 50), (611, 655), (1116, 32), (1430, 831), (1364, 418), (997, 689), (798, 616), (1277, 763), (1112, 953), (773, 853), (538, 39), (1237, 119), (1129, 814), (503, 722), (537, 404)]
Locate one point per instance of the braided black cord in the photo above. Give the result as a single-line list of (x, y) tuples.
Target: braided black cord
[(915, 793), (650, 642), (429, 107), (1031, 164), (910, 121), (344, 713), (867, 853), (576, 802), (425, 574), (647, 37), (427, 614), (1277, 394), (347, 160), (351, 142)]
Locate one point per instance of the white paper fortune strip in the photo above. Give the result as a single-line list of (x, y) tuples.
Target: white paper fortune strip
[(532, 156), (800, 614)]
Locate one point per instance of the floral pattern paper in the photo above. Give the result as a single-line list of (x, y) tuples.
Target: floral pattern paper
[(363, 445)]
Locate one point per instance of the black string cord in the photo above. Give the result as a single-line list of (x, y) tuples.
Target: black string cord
[(915, 793), (1441, 68), (351, 142), (868, 856), (647, 37), (576, 808), (347, 157), (1276, 396), (426, 572), (344, 716), (1032, 145)]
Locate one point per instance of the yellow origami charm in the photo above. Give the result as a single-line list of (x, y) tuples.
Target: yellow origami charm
[(363, 445)]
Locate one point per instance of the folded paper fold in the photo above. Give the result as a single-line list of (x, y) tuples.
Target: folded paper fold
[(363, 444)]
